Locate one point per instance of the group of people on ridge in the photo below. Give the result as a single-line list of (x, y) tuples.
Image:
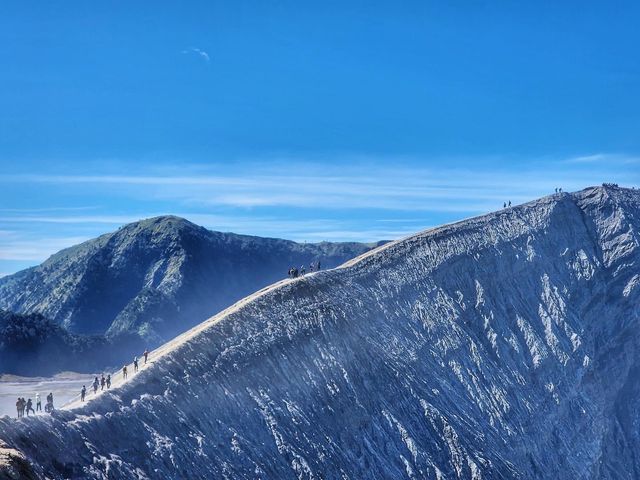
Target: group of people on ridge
[(103, 382), (294, 272), (106, 381), (23, 405), (558, 190)]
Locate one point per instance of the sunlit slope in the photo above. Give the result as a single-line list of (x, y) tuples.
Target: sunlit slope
[(503, 346), (141, 285)]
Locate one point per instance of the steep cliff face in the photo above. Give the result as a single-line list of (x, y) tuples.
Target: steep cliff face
[(157, 277), (504, 346)]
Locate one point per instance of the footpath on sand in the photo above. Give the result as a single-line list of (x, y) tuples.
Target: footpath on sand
[(117, 378)]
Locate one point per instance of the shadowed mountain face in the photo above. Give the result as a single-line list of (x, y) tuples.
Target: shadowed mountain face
[(32, 343), (505, 346), (155, 278)]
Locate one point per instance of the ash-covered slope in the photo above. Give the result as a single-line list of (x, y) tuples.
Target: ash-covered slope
[(505, 346), (157, 277)]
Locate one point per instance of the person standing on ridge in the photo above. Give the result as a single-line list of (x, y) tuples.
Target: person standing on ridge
[(83, 392), (30, 407), (102, 382), (146, 355), (108, 380), (38, 403), (124, 372), (19, 407), (509, 202), (135, 364)]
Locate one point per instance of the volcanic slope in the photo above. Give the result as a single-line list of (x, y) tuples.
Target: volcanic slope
[(503, 346), (151, 280)]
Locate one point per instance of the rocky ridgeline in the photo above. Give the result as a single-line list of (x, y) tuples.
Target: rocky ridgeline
[(504, 346), (143, 284)]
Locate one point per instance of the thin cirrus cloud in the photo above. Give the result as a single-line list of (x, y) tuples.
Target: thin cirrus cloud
[(198, 52), (36, 249), (605, 158), (371, 187), (363, 200), (70, 219), (399, 192), (45, 210)]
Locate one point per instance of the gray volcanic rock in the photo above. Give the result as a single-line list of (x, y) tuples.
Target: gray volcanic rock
[(156, 278), (504, 346)]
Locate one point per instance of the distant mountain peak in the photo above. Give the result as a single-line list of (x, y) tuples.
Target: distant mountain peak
[(154, 278), (164, 224)]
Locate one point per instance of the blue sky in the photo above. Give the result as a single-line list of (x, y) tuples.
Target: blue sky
[(310, 121)]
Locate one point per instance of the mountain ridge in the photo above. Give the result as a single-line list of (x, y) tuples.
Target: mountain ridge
[(152, 279), (502, 346)]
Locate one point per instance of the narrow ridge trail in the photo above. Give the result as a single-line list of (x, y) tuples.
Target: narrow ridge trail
[(499, 347)]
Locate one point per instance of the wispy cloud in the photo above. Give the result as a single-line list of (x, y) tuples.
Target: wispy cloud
[(360, 198), (197, 51), (598, 157), (47, 209), (300, 185), (604, 158), (391, 191), (36, 250), (128, 179), (83, 219)]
